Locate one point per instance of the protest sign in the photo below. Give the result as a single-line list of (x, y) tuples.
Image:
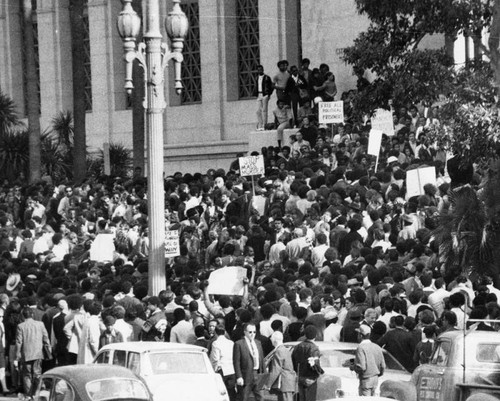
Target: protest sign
[(374, 141), (417, 178), (331, 112), (252, 165), (227, 281), (172, 245), (382, 120)]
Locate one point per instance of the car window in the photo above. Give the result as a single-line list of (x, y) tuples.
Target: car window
[(133, 362), (63, 391), (392, 363), (177, 362), (440, 354), (119, 357), (45, 388), (108, 389), (488, 353), (103, 357), (335, 358)]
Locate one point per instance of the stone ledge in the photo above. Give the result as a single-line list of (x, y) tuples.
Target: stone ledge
[(259, 139)]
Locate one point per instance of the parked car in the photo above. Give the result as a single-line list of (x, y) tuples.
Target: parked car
[(91, 383), (182, 371), (338, 380), (463, 366)]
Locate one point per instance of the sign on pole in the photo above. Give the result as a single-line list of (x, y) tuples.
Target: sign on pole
[(374, 141), (382, 120), (331, 112), (417, 178), (252, 165), (172, 245)]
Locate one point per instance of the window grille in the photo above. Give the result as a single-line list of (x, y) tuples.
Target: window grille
[(248, 46)]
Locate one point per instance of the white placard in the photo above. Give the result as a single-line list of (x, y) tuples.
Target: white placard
[(374, 141), (102, 248), (252, 165), (172, 244), (416, 179), (382, 120), (227, 281), (331, 112)]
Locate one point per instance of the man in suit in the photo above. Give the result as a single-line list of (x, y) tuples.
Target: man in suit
[(263, 90), (31, 339), (248, 362)]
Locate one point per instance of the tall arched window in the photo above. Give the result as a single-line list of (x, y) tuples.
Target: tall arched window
[(247, 12), (191, 67)]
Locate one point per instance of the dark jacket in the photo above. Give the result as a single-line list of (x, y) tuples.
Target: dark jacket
[(243, 361), (300, 355), (267, 86)]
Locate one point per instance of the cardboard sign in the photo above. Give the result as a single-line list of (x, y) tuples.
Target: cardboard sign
[(331, 112), (172, 244), (374, 141), (227, 281), (382, 120), (416, 179), (252, 165)]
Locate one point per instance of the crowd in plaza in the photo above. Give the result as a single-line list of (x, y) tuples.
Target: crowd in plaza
[(334, 251)]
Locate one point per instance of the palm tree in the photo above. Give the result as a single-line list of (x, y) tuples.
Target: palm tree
[(9, 119), (62, 127), (33, 106), (76, 9)]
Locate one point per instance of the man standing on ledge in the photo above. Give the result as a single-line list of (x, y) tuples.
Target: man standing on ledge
[(248, 361), (263, 91)]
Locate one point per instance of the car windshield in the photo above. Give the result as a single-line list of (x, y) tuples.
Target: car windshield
[(336, 358), (116, 389), (177, 362)]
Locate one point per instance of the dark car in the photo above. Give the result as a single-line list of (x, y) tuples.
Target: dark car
[(91, 383)]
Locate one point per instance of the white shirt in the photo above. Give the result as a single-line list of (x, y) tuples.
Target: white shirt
[(436, 300), (221, 355), (332, 333)]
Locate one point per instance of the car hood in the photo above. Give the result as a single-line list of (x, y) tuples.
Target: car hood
[(349, 381), (184, 387)]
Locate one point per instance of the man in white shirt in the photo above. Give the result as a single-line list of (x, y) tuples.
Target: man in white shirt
[(221, 357), (437, 298)]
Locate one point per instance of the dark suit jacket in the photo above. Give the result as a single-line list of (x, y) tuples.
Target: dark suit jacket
[(243, 361), (267, 86), (300, 355)]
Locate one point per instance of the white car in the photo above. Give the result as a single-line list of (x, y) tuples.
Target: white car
[(339, 381), (177, 372)]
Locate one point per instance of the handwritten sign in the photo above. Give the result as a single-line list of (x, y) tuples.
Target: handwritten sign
[(382, 120), (416, 179), (227, 281), (252, 165), (172, 245), (374, 141), (331, 112)]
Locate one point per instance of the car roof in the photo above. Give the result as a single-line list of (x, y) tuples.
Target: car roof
[(323, 345), (152, 346), (474, 334), (81, 374)]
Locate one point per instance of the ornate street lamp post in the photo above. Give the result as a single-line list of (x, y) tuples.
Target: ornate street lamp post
[(153, 56)]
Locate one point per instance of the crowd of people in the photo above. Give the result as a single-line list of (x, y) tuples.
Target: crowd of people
[(334, 251)]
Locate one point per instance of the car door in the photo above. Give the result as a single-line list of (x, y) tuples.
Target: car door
[(432, 376)]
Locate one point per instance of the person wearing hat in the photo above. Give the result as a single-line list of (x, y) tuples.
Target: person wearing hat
[(280, 80), (368, 362), (306, 363)]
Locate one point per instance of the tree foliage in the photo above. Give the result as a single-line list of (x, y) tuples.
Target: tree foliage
[(391, 48)]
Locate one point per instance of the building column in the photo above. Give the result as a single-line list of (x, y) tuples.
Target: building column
[(54, 52)]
